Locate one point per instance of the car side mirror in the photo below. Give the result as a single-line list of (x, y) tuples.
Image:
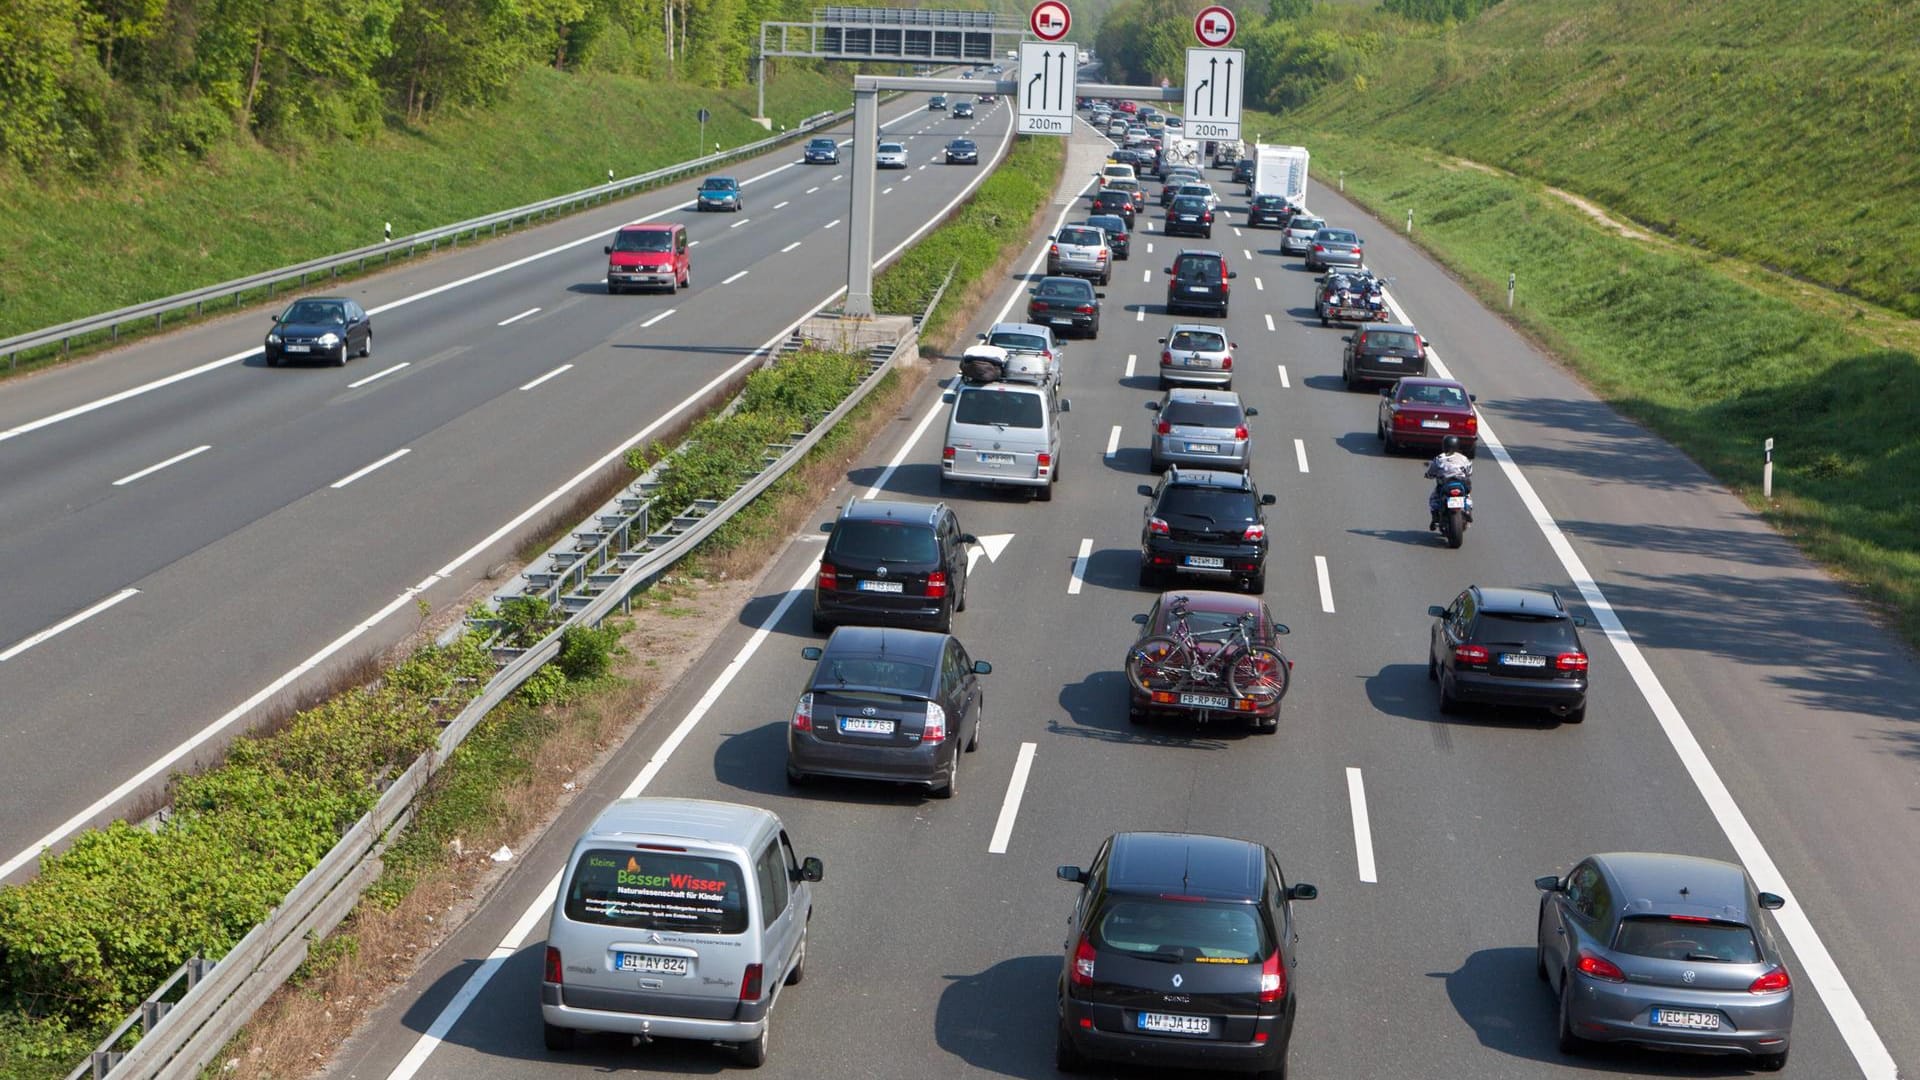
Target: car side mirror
[(1099, 296), (608, 249), (1035, 291), (1268, 498), (1145, 489), (1071, 873), (1346, 337), (812, 869), (969, 538), (1233, 344), (1550, 883), (1282, 628), (1140, 619), (981, 667), (1772, 901), (1386, 393), (1163, 341), (982, 337), (811, 652), (1436, 611), (1233, 273), (1066, 404), (1579, 620), (1153, 406), (1303, 891), (1166, 270), (1473, 397)]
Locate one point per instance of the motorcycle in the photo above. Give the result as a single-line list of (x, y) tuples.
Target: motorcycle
[(1454, 513), (1355, 297)]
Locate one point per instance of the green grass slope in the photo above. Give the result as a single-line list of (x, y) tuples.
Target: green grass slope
[(68, 252), (1779, 131)]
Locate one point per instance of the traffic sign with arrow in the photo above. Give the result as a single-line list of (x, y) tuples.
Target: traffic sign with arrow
[(1215, 78), (1047, 74)]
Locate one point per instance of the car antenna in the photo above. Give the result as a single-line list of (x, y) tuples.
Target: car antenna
[(1684, 891)]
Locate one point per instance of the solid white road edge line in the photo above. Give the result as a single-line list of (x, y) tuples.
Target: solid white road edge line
[(1080, 567), (510, 320), (405, 599), (358, 473), (1113, 442), (529, 920), (1010, 806), (62, 627), (1862, 1038), (657, 318), (1326, 584), (1362, 827), (556, 371), (1300, 453), (151, 469), (733, 278), (1284, 384), (379, 375)]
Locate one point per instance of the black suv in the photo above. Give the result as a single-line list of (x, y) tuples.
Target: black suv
[(1384, 351), (1207, 524), (1272, 210), (1243, 171), (892, 562), (1509, 646), (1189, 215), (1115, 202), (1180, 954), (1198, 279)]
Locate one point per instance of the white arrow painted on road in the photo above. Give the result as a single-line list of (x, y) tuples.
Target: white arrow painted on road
[(991, 546)]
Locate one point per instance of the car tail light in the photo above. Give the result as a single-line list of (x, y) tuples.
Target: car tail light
[(1401, 419), (1164, 428), (1571, 661), (1166, 358), (1255, 532), (1083, 309), (1053, 249), (937, 584), (1043, 462), (1101, 256), (1599, 967), (1083, 958), (1360, 342), (1207, 217), (553, 966), (1773, 982), (803, 713), (1473, 422), (1240, 432), (936, 726), (1223, 273), (1319, 247), (946, 454), (1470, 654), (1226, 363), (752, 982), (1273, 978), (829, 577), (1157, 527)]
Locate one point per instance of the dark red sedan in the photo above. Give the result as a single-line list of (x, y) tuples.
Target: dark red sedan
[(1419, 412), (1209, 614)]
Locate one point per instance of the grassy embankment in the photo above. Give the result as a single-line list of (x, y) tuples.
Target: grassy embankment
[(71, 958), (1748, 158), (70, 251)]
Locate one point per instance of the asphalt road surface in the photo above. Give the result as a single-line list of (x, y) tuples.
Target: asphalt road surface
[(1745, 708), (189, 532)]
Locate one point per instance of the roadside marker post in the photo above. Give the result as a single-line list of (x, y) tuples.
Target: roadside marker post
[(1766, 473)]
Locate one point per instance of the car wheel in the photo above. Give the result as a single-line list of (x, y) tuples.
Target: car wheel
[(1346, 377), (752, 1055), (1570, 1044), (1269, 726), (1771, 1062), (1380, 429), (1149, 575), (1324, 322), (795, 778), (1393, 444), (341, 359), (1257, 584), (1448, 703), (1433, 667), (945, 791), (1576, 715), (799, 972), (1279, 1073), (960, 600), (943, 623), (272, 360), (612, 289), (367, 350), (1207, 235), (822, 626), (973, 741), (559, 1039), (1066, 1057), (1093, 333), (1157, 465), (1164, 384), (1540, 962), (1045, 492)]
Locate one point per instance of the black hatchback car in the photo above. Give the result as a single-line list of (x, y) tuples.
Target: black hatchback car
[(1065, 301), (1509, 646), (887, 704), (1272, 210), (1117, 203), (1180, 954), (894, 563), (1189, 215), (1119, 241), (1206, 524), (1199, 279), (330, 328)]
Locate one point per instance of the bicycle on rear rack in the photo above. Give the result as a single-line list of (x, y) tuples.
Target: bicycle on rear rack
[(1176, 661)]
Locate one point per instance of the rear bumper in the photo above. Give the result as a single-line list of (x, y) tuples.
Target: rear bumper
[(1374, 371), (974, 473), (868, 609), (1615, 1013), (1098, 1031), (927, 764), (1196, 376), (660, 1025), (1556, 694), (1240, 562), (1428, 437), (1228, 462)]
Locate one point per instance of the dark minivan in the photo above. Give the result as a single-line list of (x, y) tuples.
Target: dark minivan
[(1198, 279), (894, 563), (1180, 954)]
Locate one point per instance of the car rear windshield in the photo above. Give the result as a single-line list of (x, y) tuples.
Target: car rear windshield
[(870, 672), (1213, 504), (1197, 341), (1305, 225), (1428, 394), (1337, 236), (1110, 198), (643, 240), (1191, 204), (1398, 341), (883, 541), (1209, 624), (1537, 631), (1198, 190), (654, 890), (1664, 937), (1269, 200), (1017, 342), (1198, 269), (1065, 289), (1183, 930), (1113, 225), (998, 407), (1080, 237), (1212, 414)]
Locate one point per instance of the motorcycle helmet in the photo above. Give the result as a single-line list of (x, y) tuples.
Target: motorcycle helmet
[(1450, 444)]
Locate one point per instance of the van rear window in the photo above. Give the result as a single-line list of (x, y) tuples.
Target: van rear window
[(655, 890), (996, 407)]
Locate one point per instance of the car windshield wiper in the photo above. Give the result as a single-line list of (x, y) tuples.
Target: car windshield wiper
[(1208, 518), (1161, 957), (1705, 956)]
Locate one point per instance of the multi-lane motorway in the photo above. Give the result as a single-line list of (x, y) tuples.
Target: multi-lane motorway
[(1743, 708), (189, 534)]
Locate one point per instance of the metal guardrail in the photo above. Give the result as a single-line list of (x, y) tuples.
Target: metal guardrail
[(157, 311), (180, 1041)]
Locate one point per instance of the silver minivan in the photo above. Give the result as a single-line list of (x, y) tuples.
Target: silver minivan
[(679, 919), (1004, 434)]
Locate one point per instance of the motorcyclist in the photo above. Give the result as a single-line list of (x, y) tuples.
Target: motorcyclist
[(1448, 464)]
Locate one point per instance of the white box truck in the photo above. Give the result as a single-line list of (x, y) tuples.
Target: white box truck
[(1280, 170)]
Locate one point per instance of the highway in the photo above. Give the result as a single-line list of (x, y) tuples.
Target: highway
[(190, 534), (1743, 708)]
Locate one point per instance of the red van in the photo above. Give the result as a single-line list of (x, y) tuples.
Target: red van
[(649, 256)]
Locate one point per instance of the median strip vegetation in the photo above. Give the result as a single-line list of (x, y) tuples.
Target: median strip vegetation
[(108, 919)]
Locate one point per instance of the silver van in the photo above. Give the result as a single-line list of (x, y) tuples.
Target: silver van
[(1004, 434), (678, 919)]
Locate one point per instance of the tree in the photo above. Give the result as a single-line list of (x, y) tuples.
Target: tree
[(37, 45)]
